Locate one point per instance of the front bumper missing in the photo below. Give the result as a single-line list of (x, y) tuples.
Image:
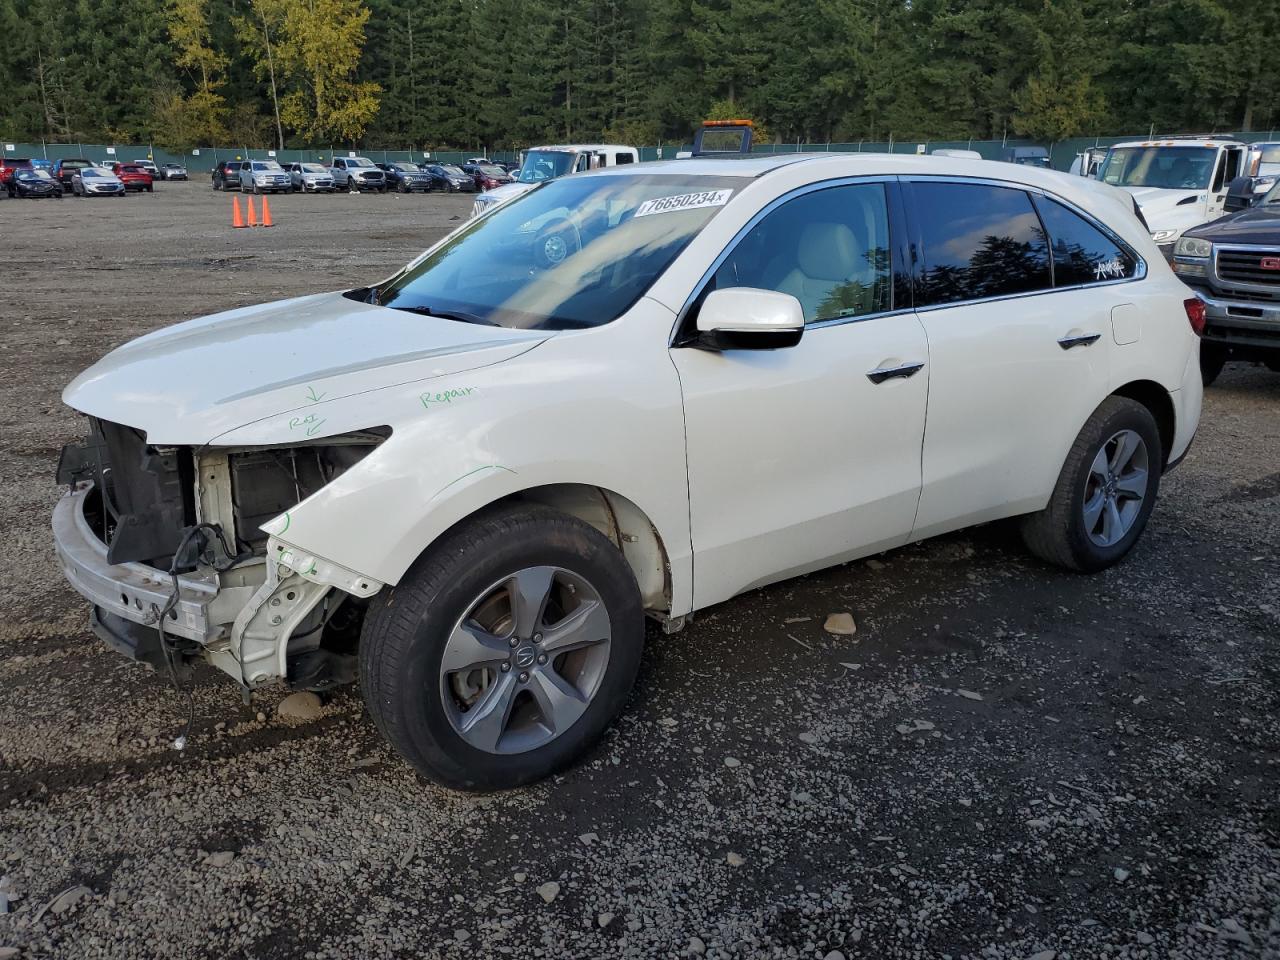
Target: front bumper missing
[(241, 619)]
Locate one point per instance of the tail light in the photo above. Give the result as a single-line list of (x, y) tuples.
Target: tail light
[(1195, 315)]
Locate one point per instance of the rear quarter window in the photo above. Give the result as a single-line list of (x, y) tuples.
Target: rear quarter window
[(1082, 253)]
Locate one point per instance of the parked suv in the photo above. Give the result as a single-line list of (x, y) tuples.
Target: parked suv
[(406, 177), (1233, 264), (313, 177), (133, 177), (357, 174), (264, 176), (626, 393), (550, 162), (226, 175)]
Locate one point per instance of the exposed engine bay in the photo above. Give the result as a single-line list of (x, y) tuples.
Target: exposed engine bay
[(176, 534)]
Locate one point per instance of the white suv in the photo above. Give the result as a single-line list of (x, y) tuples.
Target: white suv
[(639, 391)]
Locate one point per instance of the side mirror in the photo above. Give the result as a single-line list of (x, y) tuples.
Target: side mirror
[(746, 318)]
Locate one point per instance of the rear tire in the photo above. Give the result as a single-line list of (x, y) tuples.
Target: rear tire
[(1212, 359), (445, 720), (1102, 500)]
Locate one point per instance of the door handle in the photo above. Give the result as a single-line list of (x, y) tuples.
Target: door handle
[(902, 371), (1083, 340)]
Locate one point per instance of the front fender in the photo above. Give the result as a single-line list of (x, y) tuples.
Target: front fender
[(567, 413)]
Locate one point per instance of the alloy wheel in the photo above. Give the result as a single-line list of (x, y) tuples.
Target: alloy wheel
[(524, 662), (1116, 487)]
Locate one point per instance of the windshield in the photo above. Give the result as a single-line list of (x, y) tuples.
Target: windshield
[(314, 168), (542, 165), (266, 165), (1172, 168), (32, 174), (490, 171), (575, 253), (359, 162), (407, 167), (453, 171)]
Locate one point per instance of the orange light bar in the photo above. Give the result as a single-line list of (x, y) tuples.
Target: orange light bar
[(727, 123)]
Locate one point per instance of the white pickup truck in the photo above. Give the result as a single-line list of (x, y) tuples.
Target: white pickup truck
[(1179, 182), (552, 162)]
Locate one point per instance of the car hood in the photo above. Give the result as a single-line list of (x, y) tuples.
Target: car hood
[(1161, 206), (509, 190), (1259, 225), (191, 383)]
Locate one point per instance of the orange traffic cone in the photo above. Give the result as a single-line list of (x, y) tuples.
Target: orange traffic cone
[(253, 217), (236, 219), (266, 213)]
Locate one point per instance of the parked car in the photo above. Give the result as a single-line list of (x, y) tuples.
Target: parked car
[(149, 166), (133, 177), (96, 181), (264, 176), (405, 177), (173, 171), (357, 174), (1029, 156), (65, 168), (1179, 182), (598, 402), (34, 184), (226, 175), (449, 178), (956, 153), (1233, 264), (311, 177), (487, 176), (550, 162)]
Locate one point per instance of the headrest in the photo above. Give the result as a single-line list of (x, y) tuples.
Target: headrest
[(827, 252)]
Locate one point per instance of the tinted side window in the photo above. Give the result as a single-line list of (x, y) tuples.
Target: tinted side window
[(1081, 252), (829, 249), (978, 241)]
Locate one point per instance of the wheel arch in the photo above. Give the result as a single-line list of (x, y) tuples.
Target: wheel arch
[(1155, 398), (619, 518)]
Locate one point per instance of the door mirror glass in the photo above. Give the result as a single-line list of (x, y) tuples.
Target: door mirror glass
[(747, 318)]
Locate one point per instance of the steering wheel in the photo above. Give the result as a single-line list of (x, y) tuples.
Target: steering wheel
[(556, 242)]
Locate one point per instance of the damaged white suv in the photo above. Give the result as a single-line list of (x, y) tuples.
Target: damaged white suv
[(636, 391)]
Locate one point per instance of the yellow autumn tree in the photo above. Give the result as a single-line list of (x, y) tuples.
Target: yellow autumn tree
[(318, 46), (201, 116)]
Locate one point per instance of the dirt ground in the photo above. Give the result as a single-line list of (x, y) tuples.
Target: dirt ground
[(1006, 761)]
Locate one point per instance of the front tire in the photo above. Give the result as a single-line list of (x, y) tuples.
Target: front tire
[(1105, 492), (505, 651)]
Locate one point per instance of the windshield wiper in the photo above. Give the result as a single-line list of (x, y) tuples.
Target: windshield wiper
[(450, 315)]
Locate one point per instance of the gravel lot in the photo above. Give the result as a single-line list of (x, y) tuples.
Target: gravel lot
[(1005, 761)]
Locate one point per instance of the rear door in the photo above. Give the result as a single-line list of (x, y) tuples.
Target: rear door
[(1016, 368)]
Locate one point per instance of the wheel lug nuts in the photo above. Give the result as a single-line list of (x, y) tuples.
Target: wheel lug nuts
[(515, 642), (537, 638), (506, 668), (543, 658), (524, 678)]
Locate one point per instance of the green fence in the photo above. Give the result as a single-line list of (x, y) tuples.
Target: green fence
[(205, 159)]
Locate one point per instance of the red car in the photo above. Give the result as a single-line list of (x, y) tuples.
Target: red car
[(10, 164), (133, 176)]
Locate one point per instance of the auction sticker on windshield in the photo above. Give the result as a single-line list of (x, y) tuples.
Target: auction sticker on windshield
[(685, 201)]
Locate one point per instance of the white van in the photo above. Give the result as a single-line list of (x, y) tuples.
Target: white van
[(1179, 182), (549, 163)]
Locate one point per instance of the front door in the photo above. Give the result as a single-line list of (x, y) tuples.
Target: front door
[(809, 455)]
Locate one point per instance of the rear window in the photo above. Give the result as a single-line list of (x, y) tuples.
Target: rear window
[(978, 241)]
